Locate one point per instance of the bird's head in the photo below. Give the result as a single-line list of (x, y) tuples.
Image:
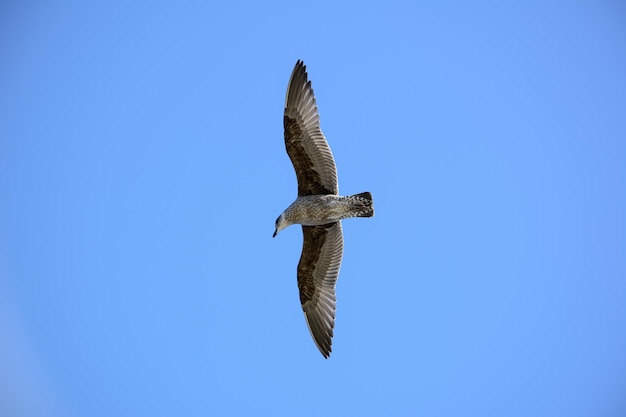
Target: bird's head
[(281, 223)]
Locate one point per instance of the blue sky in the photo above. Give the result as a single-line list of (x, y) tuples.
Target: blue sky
[(142, 166)]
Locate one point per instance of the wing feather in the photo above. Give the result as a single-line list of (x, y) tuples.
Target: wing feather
[(306, 145), (317, 276)]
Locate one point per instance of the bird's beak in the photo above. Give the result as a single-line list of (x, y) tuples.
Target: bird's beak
[(275, 233)]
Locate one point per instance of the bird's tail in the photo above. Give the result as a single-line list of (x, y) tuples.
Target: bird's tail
[(361, 205)]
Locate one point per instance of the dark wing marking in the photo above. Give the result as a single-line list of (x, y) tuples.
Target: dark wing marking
[(317, 275), (304, 140)]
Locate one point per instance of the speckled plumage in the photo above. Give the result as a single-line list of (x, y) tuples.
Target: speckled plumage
[(313, 210), (318, 208)]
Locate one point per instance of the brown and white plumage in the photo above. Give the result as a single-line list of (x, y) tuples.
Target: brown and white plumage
[(318, 208), (318, 270), (305, 142)]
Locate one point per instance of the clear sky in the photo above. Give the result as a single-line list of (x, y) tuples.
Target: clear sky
[(142, 166)]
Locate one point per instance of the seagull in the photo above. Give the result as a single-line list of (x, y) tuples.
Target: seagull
[(318, 208)]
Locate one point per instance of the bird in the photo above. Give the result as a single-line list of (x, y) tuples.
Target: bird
[(318, 208)]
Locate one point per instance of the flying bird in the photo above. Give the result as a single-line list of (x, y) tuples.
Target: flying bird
[(318, 208)]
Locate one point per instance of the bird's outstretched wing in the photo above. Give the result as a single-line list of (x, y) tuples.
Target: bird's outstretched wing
[(304, 140), (317, 275)]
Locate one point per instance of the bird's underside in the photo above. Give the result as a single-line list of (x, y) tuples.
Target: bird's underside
[(322, 248)]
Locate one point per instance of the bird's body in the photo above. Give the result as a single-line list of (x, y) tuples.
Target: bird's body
[(318, 208)]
